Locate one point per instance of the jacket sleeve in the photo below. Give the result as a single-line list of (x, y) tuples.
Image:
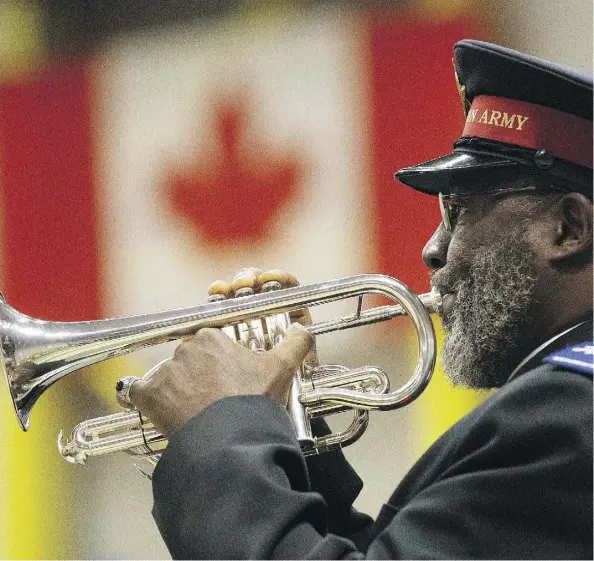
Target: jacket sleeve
[(233, 483), (336, 481)]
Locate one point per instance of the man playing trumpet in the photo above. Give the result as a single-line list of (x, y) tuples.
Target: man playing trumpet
[(512, 259)]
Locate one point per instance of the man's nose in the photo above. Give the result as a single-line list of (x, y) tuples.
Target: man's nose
[(436, 249)]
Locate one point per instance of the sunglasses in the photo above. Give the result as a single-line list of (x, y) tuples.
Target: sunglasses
[(451, 206)]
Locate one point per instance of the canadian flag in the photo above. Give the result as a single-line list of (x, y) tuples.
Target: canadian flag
[(132, 179)]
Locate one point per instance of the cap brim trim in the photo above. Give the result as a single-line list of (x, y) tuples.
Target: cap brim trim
[(439, 175)]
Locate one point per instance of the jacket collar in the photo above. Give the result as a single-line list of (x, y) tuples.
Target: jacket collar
[(576, 334)]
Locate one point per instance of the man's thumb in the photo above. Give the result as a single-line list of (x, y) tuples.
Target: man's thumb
[(293, 349)]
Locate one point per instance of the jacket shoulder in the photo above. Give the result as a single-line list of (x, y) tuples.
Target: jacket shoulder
[(544, 413), (548, 394), (520, 463)]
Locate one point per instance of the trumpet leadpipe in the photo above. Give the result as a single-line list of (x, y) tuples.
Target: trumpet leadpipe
[(431, 301)]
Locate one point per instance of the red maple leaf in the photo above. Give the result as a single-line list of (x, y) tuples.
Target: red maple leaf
[(235, 196)]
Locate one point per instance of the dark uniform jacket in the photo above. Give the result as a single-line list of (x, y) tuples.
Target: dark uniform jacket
[(512, 479)]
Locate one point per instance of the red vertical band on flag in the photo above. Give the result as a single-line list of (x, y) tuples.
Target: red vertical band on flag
[(50, 225), (417, 115), (51, 271)]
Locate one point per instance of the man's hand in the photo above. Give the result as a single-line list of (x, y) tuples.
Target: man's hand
[(211, 366)]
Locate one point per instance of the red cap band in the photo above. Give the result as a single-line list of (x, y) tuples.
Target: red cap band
[(531, 126)]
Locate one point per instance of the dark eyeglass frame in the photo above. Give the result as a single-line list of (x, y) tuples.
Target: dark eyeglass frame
[(450, 205)]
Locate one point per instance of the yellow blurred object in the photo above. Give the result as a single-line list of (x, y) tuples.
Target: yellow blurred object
[(442, 9), (22, 42), (37, 513), (442, 404), (31, 506)]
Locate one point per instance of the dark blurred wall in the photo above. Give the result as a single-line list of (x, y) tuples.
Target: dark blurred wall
[(75, 26), (78, 25)]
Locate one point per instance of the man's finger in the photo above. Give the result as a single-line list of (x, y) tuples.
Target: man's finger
[(137, 393), (301, 316), (220, 288), (246, 278), (284, 278), (293, 349)]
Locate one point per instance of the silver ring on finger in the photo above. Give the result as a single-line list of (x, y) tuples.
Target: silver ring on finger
[(123, 386)]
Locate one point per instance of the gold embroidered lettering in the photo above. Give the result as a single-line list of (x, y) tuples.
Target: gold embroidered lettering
[(495, 116), (508, 121), (521, 121), (471, 117), (484, 117)]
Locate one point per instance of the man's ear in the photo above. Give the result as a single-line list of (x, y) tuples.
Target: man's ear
[(572, 235)]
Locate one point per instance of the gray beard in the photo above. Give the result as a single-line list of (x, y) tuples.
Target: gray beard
[(485, 329)]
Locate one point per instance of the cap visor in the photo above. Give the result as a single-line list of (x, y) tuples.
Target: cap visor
[(444, 174)]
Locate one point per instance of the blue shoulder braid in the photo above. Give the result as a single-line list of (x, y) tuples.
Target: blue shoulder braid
[(578, 357)]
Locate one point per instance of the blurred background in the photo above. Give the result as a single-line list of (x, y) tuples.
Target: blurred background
[(149, 147)]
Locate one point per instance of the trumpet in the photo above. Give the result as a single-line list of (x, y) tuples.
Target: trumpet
[(35, 354)]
